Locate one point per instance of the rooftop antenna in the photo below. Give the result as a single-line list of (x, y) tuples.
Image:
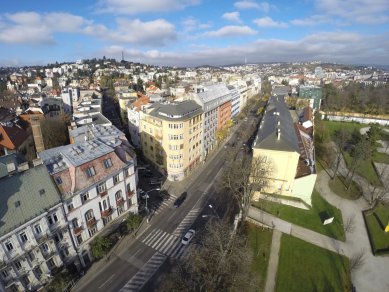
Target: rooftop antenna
[(122, 55)]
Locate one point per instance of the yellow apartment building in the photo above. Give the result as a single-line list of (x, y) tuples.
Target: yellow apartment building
[(289, 151), (171, 137)]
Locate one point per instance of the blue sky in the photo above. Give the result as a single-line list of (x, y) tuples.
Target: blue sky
[(194, 32)]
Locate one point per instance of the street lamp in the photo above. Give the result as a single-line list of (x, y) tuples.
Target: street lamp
[(147, 196), (214, 211)]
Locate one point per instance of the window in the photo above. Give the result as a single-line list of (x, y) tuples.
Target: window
[(45, 247), (101, 188), (31, 255), (79, 239), (65, 252), (23, 237), (58, 237), (51, 263), (18, 265), (9, 246), (70, 206), (38, 272), (84, 197), (89, 215), (38, 229), (107, 163), (126, 172), (4, 274), (52, 218), (118, 195), (116, 179), (75, 223), (92, 231), (25, 280), (90, 171)]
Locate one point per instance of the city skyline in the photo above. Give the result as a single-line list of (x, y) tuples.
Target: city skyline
[(195, 32)]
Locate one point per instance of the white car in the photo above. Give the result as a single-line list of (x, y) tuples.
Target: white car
[(188, 237)]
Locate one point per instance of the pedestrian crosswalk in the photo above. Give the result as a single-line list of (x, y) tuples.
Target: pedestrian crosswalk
[(187, 222), (145, 273), (158, 207), (165, 243)]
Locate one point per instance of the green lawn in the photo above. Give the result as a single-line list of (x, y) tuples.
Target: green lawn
[(337, 185), (380, 157), (306, 267), (308, 218), (366, 170), (379, 238), (334, 126), (260, 242)]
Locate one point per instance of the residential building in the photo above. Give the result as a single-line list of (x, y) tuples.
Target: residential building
[(34, 236), (172, 137), (235, 100), (134, 112), (97, 182), (313, 93), (215, 100), (288, 148), (13, 138), (69, 95), (126, 98)]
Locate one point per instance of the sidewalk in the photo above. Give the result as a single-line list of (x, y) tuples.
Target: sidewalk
[(273, 262)]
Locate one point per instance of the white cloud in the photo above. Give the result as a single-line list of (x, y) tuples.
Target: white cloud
[(248, 4), (312, 20), (347, 11), (269, 22), (342, 47), (191, 24), (142, 6), (35, 28), (152, 33), (232, 16), (231, 30)]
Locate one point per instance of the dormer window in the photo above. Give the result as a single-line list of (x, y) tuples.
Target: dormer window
[(107, 163), (90, 171)]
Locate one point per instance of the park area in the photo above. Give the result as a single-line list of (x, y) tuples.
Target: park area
[(376, 221), (306, 267)]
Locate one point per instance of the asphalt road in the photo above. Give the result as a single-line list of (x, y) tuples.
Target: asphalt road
[(125, 263)]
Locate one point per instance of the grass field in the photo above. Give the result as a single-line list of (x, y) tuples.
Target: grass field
[(334, 126), (337, 185), (376, 224), (260, 242), (365, 169), (308, 218), (306, 267)]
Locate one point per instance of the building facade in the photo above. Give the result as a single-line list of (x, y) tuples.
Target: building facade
[(97, 181), (172, 137), (235, 101), (35, 240), (214, 99)]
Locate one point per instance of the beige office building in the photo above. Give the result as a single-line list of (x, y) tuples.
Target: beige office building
[(171, 137)]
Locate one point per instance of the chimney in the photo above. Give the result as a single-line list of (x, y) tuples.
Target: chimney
[(37, 161), (278, 134), (23, 166)]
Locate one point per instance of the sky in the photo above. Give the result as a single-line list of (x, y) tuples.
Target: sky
[(194, 32)]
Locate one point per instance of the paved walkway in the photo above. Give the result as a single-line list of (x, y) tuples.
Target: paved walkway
[(273, 261)]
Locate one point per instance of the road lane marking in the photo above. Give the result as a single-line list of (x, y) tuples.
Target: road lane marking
[(108, 281)]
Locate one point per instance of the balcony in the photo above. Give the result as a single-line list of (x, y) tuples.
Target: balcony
[(43, 238), (120, 202), (107, 212), (102, 194), (91, 222), (77, 230), (49, 254), (130, 193)]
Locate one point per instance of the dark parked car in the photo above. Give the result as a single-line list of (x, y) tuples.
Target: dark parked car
[(164, 195), (180, 199)]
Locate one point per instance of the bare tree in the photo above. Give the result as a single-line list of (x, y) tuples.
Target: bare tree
[(245, 175), (349, 225), (361, 152), (223, 263), (357, 260), (341, 138)]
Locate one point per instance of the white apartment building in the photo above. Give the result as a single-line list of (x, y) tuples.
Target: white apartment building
[(235, 100), (97, 180), (35, 240)]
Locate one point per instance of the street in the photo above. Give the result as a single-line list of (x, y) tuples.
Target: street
[(132, 266)]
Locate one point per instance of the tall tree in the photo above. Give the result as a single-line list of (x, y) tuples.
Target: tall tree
[(342, 136), (243, 181), (360, 152)]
